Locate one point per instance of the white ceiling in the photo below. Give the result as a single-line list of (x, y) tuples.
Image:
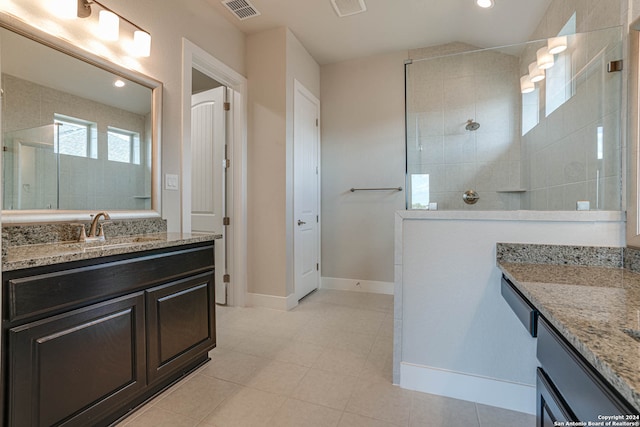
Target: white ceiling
[(393, 25)]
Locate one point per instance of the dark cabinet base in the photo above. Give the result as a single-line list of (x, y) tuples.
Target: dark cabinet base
[(139, 324)]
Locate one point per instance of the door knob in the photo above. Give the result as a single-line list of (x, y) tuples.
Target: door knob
[(300, 222)]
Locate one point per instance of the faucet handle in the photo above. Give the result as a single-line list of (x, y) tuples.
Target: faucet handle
[(83, 232)]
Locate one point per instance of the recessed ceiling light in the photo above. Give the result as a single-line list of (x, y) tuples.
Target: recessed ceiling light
[(119, 83), (486, 4)]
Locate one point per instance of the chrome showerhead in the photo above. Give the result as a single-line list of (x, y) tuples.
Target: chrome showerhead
[(471, 125)]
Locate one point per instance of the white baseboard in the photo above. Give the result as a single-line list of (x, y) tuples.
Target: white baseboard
[(484, 390), (357, 285), (271, 301)]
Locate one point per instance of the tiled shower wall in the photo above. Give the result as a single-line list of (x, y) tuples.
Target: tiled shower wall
[(562, 163), (85, 183), (442, 94)]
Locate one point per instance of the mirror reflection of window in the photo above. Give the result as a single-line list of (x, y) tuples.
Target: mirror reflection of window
[(75, 137), (123, 146)]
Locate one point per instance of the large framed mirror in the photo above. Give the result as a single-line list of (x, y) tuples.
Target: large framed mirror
[(79, 134)]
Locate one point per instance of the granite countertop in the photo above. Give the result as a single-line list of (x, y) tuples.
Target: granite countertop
[(591, 307), (25, 256)]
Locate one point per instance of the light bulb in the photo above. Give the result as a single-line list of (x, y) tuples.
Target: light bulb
[(544, 58), (141, 43), (485, 4), (66, 9), (535, 74), (557, 44), (109, 25), (526, 85)]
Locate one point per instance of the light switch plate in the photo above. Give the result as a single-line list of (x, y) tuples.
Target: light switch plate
[(171, 182)]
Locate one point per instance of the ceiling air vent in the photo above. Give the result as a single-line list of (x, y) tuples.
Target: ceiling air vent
[(348, 7), (242, 9)]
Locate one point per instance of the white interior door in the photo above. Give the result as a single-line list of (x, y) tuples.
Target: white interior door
[(306, 204), (208, 136)]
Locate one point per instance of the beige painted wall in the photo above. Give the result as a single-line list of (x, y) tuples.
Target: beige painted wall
[(168, 22), (274, 60), (362, 146), (266, 162)]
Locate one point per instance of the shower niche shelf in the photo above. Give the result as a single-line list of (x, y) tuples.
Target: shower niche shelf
[(515, 190)]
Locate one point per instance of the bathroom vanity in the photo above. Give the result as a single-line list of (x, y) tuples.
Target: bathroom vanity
[(583, 318), (90, 332)]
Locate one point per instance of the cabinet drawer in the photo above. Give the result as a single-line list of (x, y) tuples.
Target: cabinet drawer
[(581, 387), (86, 284), (523, 310)]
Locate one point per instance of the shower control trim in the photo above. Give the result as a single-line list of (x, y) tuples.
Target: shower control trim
[(470, 197)]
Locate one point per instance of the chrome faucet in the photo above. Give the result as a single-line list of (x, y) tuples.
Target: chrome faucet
[(93, 237)]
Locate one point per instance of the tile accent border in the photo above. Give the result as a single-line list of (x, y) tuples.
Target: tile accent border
[(595, 256)]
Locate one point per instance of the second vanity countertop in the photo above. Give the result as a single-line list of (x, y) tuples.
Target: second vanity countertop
[(591, 307), (26, 256)]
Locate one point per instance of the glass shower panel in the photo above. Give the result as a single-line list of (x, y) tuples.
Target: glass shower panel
[(469, 126), (30, 169)]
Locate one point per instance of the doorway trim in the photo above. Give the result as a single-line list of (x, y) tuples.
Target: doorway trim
[(195, 57)]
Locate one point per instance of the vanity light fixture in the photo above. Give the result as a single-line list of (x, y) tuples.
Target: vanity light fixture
[(544, 58), (526, 85), (109, 23), (557, 44), (485, 4), (535, 74)]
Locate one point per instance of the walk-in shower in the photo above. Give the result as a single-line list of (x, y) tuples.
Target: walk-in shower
[(544, 144)]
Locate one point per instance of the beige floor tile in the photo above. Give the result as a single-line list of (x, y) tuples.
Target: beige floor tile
[(498, 417), (318, 334), (386, 329), (439, 411), (355, 420), (357, 320), (198, 396), (353, 341), (301, 353), (261, 345), (236, 367), (247, 408), (228, 338), (295, 413), (278, 377), (326, 389), (382, 401), (156, 417), (341, 362)]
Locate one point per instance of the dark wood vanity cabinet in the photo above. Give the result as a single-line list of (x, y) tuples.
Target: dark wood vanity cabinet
[(87, 341), (568, 388)]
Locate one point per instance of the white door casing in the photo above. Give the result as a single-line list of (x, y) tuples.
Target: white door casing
[(208, 170), (198, 58), (306, 194)]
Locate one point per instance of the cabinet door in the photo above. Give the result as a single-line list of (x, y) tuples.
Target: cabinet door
[(551, 407), (77, 367), (180, 324)]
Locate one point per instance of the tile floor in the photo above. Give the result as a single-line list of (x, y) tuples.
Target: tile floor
[(328, 362)]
